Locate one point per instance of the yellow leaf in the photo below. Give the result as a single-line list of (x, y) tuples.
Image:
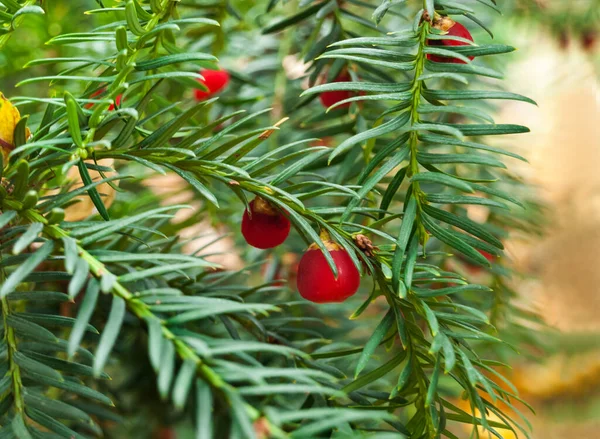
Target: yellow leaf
[(9, 118)]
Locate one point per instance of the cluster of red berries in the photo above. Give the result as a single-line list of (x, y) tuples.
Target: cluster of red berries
[(451, 27), (264, 226)]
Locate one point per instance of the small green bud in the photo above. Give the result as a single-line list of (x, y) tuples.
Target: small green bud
[(30, 199), (56, 216), (20, 180)]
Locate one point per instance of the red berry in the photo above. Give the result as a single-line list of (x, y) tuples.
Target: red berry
[(316, 281), (117, 103), (98, 93), (165, 433), (454, 29), (92, 96), (329, 98), (476, 268), (264, 226), (488, 256), (588, 40), (214, 81)]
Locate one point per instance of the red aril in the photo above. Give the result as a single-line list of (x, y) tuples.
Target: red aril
[(316, 281), (476, 268), (263, 226), (588, 39), (214, 81), (454, 29), (488, 256), (329, 98), (117, 103), (165, 433), (98, 93), (92, 96)]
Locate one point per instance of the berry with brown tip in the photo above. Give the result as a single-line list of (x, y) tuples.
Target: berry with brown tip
[(453, 29), (214, 80), (263, 226), (316, 281)]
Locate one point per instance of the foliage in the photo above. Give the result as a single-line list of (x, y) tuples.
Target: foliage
[(564, 19), (240, 356)]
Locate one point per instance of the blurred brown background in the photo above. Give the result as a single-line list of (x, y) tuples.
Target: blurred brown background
[(564, 153)]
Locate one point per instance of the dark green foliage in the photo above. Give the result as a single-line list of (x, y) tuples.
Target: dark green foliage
[(186, 342)]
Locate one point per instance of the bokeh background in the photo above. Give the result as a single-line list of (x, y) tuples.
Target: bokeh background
[(558, 65)]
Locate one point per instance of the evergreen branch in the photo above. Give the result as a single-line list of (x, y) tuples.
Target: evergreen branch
[(13, 16), (435, 324), (415, 230), (143, 312), (14, 370), (9, 340)]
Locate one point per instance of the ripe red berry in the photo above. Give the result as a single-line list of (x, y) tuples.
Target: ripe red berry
[(488, 256), (588, 40), (476, 268), (263, 226), (454, 29), (329, 98), (98, 93), (117, 103), (316, 281), (214, 81), (165, 433)]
